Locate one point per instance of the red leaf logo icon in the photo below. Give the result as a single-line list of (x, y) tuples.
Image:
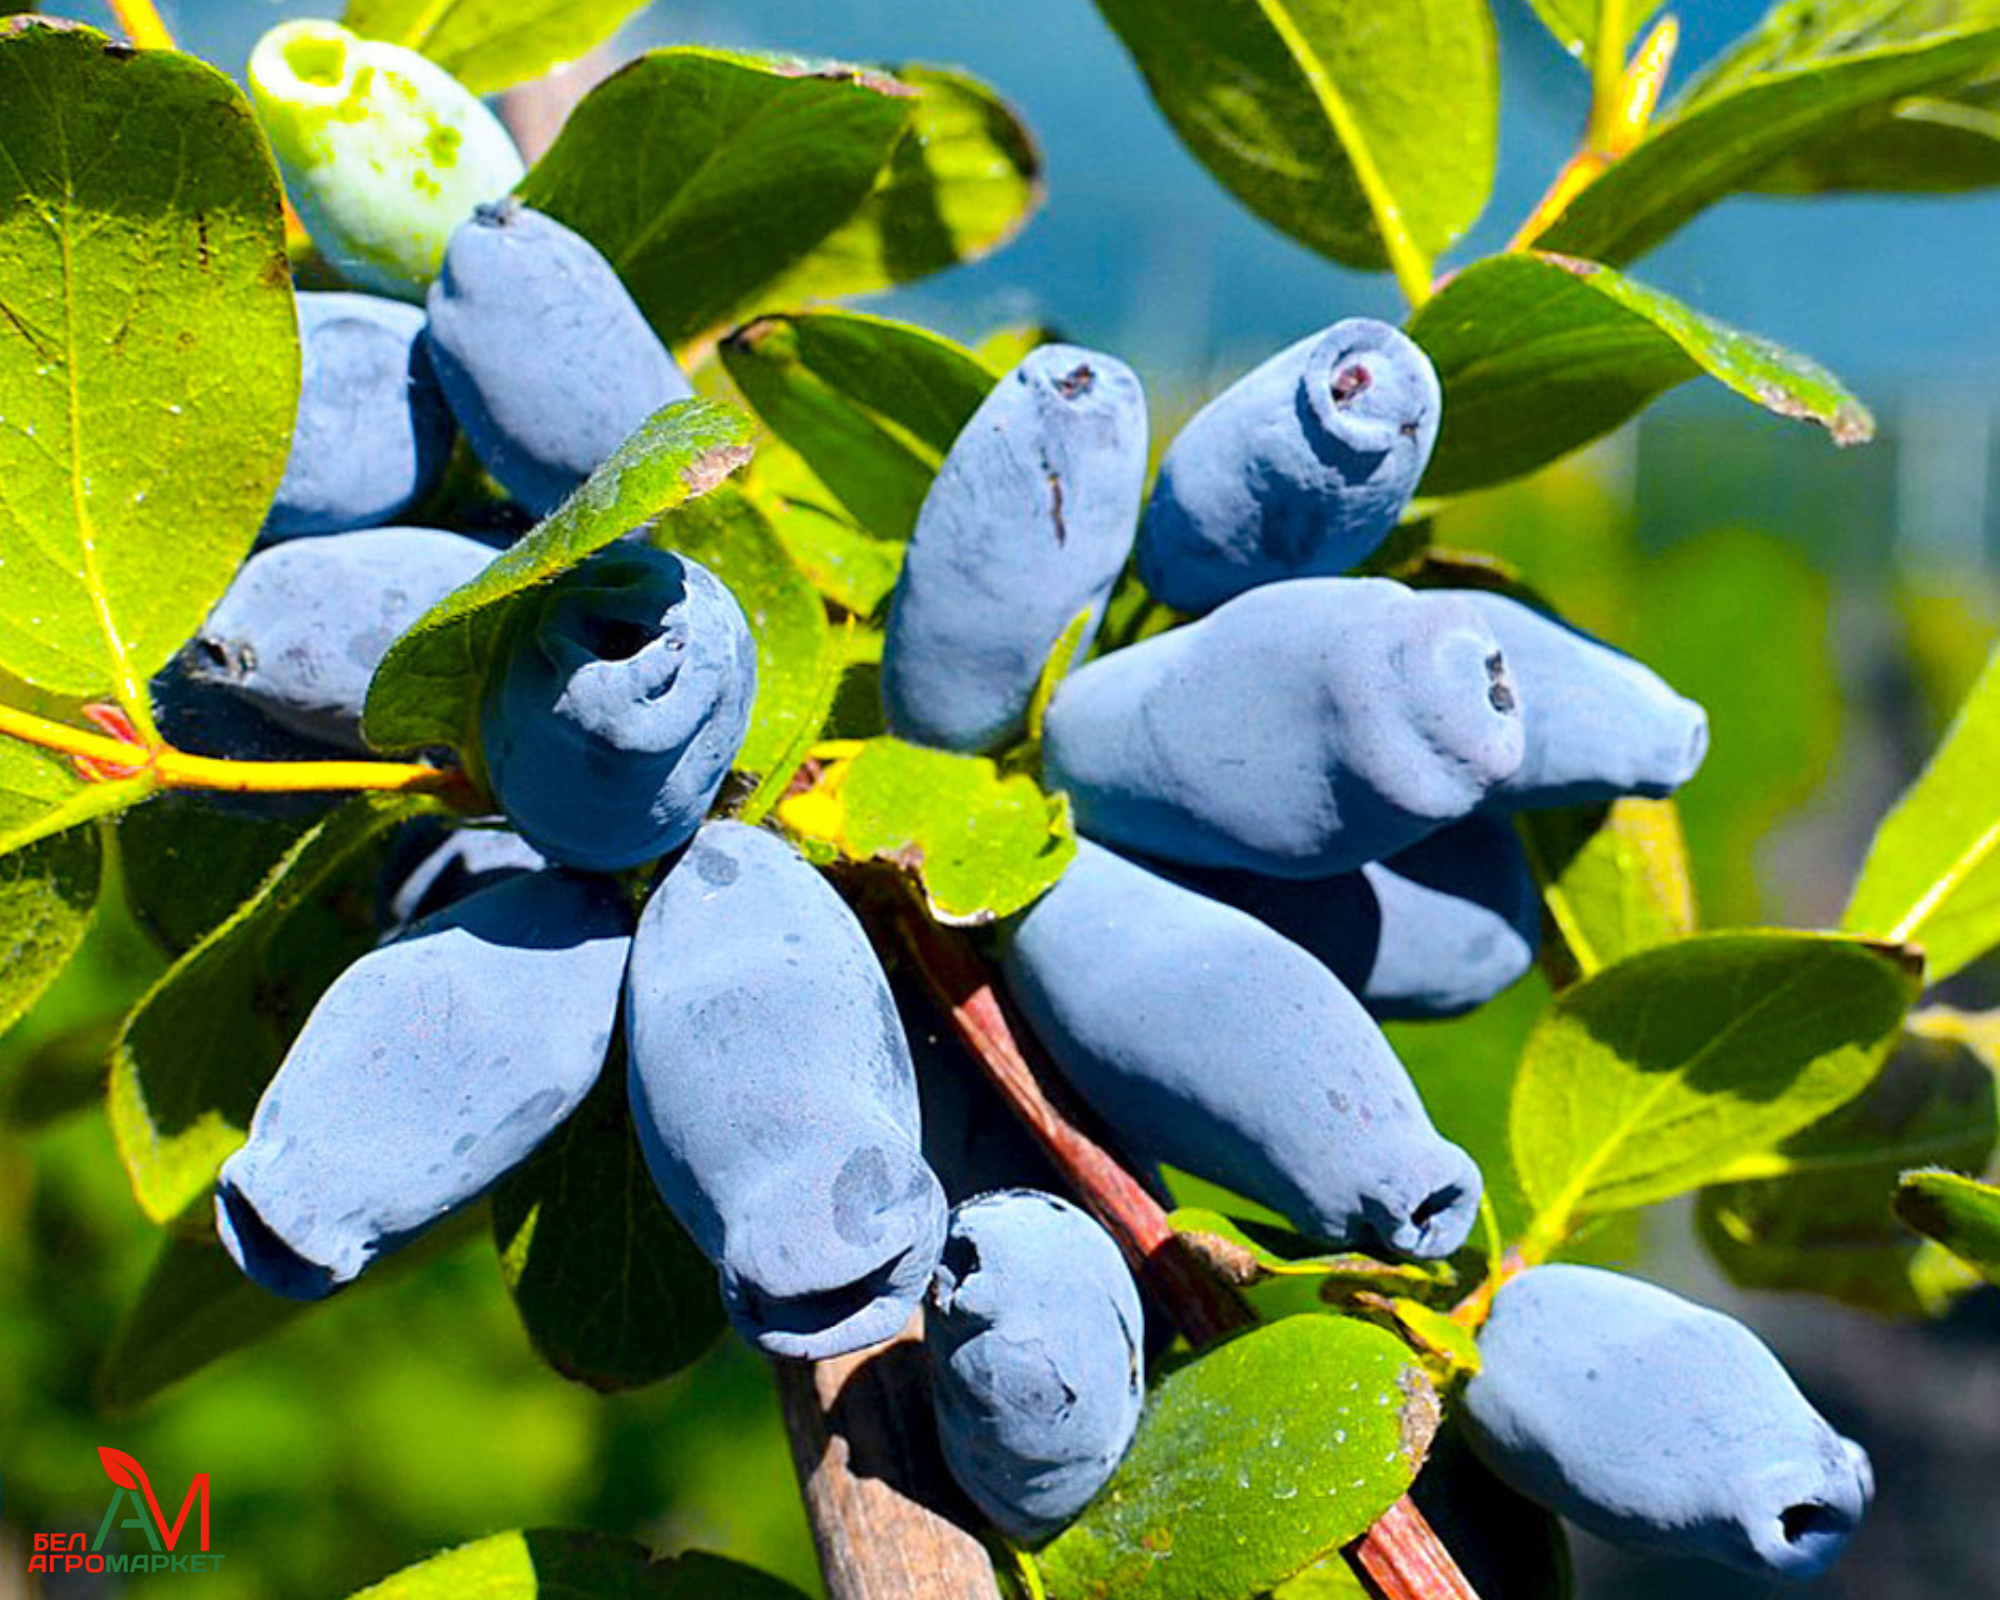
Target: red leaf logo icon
[(120, 1468)]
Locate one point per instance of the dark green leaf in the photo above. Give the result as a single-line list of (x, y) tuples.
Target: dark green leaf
[(1932, 875), (869, 404), (611, 1290), (1653, 1076), (197, 1051), (962, 181), (1723, 141), (554, 1564), (148, 352), (1923, 145), (1539, 354), (187, 865), (1961, 1214), (726, 532), (1615, 880), (1250, 1463), (982, 845), (750, 163), (492, 44), (48, 888), (426, 691), (1814, 1212), (1361, 130)]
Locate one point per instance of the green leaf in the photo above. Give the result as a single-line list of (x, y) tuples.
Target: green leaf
[(1247, 1252), (726, 532), (750, 163), (196, 1052), (1366, 132), (842, 560), (187, 865), (1805, 33), (555, 1564), (1652, 1077), (1250, 1463), (492, 44), (195, 1307), (1960, 1213), (149, 361), (982, 845), (611, 1290), (1924, 145), (1539, 354), (426, 691), (961, 182), (1932, 874), (1062, 655), (1812, 1213), (48, 887), (1574, 22), (870, 405), (830, 675), (1721, 142), (1615, 880)]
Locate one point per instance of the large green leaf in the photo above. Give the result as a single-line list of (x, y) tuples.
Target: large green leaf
[(982, 844), (1541, 353), (1721, 143), (187, 865), (426, 691), (555, 1564), (148, 353), (1574, 22), (1653, 1076), (870, 405), (1615, 880), (1923, 145), (748, 165), (1363, 130), (611, 1290), (1932, 875), (726, 532), (490, 44), (1250, 1463), (1960, 1213), (48, 887), (962, 180), (1804, 33), (196, 1052), (1813, 1213)]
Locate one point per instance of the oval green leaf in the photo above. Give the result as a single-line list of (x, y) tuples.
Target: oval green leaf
[(149, 362), (1250, 1463), (1961, 1213), (1541, 353), (48, 884), (1652, 1077), (1615, 879), (1364, 131), (750, 163), (426, 691), (492, 44)]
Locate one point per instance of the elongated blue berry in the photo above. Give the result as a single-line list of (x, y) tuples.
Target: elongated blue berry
[(1298, 470), (547, 362), (433, 866), (1598, 723), (1210, 1042), (772, 1090), (1299, 731), (1027, 524), (1034, 1332), (373, 433), (619, 699), (1432, 931), (304, 625), (433, 1065), (1650, 1420)]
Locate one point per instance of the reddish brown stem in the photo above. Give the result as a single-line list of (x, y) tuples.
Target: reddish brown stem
[(1401, 1556)]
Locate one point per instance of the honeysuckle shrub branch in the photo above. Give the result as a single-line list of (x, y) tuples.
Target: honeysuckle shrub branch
[(775, 525)]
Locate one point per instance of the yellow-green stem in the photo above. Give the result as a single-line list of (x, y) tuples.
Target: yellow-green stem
[(1607, 74), (176, 769)]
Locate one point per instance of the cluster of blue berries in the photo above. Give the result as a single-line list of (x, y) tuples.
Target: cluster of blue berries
[(1295, 816)]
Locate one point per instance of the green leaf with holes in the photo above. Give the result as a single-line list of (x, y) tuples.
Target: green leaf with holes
[(1538, 354), (149, 362)]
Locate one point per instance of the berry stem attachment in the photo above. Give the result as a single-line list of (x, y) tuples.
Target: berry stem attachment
[(1401, 1556), (175, 769)]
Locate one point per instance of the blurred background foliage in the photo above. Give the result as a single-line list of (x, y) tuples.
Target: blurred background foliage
[(1829, 609)]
